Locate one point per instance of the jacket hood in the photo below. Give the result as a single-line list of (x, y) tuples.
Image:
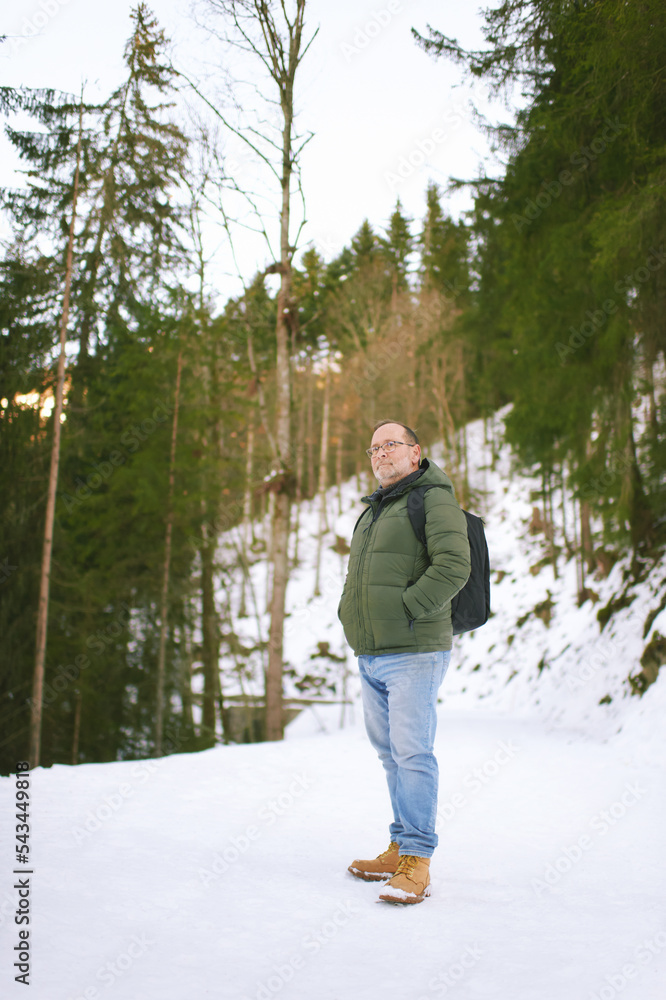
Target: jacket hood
[(433, 474)]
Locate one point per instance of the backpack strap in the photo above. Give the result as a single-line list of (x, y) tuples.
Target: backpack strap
[(416, 509)]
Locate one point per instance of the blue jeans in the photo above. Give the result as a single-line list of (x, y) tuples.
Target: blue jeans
[(400, 711)]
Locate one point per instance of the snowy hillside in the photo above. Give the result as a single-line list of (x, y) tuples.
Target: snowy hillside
[(540, 656), (223, 874)]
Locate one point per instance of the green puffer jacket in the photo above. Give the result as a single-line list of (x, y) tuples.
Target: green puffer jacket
[(395, 598)]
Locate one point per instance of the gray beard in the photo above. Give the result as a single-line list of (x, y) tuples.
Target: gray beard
[(383, 491)]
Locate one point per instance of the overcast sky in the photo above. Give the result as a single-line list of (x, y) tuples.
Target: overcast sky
[(386, 117)]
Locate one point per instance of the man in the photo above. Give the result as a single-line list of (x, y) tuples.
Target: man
[(396, 613)]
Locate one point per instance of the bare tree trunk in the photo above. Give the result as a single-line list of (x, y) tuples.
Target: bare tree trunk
[(186, 685), (45, 579), (442, 393), (223, 714), (164, 618), (266, 31), (632, 494), (464, 472), (339, 455), (248, 529), (323, 463), (463, 400), (210, 650), (247, 532), (300, 454), (261, 400), (77, 728), (284, 66), (587, 554), (550, 520), (653, 409), (269, 522), (563, 495), (310, 430), (586, 544), (299, 446), (274, 713), (580, 562), (211, 439)]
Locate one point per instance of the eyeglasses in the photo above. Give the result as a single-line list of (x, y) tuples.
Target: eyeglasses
[(388, 448)]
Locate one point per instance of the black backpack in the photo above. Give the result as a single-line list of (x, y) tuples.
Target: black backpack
[(470, 608)]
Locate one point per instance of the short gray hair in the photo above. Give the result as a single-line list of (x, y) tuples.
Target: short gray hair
[(410, 433)]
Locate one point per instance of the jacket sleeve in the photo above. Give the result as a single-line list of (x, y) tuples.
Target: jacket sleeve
[(448, 549)]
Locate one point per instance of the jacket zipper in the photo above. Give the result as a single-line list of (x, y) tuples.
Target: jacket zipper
[(359, 577)]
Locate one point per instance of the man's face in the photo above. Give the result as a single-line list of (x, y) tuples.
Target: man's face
[(389, 469)]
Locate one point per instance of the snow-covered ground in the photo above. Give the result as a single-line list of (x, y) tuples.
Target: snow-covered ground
[(223, 874)]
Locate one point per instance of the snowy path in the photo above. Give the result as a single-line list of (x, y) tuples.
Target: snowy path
[(223, 874)]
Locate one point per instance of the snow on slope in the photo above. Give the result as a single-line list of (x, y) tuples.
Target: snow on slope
[(566, 670), (223, 874), (517, 663)]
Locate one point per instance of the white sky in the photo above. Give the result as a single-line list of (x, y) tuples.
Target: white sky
[(375, 101)]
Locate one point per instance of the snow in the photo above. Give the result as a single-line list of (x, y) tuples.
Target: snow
[(223, 874), (395, 893)]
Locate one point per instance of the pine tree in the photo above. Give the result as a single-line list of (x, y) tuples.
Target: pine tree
[(569, 278), (444, 251), (131, 158)]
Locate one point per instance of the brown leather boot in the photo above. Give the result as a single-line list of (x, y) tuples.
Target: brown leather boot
[(411, 882), (380, 868)]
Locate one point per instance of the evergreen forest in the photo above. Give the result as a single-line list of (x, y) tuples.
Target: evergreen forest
[(140, 420)]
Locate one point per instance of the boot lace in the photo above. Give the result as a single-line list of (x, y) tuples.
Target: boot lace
[(389, 850), (406, 865)]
